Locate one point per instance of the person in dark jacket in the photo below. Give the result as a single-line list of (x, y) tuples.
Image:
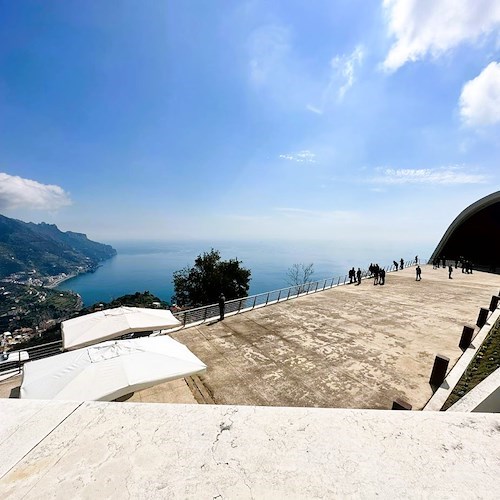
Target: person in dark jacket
[(381, 274), (222, 306)]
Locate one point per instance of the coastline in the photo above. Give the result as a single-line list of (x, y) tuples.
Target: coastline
[(58, 281)]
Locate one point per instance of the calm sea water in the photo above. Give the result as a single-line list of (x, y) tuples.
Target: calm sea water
[(141, 266)]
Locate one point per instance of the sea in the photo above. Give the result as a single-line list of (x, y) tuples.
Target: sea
[(149, 265)]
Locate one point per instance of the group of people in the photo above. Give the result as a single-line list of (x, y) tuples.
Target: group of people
[(401, 263), (378, 274), (355, 276), (465, 264)]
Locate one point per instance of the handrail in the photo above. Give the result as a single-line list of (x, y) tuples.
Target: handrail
[(15, 360)]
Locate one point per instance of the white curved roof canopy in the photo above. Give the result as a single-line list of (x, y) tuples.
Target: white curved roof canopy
[(462, 217)]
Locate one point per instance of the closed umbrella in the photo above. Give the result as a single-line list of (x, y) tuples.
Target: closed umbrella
[(112, 323), (109, 370)]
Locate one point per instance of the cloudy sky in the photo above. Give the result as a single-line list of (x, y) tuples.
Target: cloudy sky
[(266, 119)]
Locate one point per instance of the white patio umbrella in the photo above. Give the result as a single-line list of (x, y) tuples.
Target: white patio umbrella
[(112, 323), (109, 370)]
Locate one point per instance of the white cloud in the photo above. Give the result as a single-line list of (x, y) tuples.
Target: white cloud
[(304, 156), (445, 175), (434, 27), (314, 109), (16, 192), (276, 70), (480, 98), (342, 78), (344, 67)]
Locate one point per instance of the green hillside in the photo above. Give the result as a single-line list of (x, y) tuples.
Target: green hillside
[(43, 250)]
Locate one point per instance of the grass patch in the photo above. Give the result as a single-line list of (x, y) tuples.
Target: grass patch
[(484, 363)]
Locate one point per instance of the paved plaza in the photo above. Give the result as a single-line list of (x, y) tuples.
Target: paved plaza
[(348, 347)]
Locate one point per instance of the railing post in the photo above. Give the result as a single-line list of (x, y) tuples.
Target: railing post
[(279, 295), (317, 284), (239, 305), (345, 278), (185, 314), (205, 315), (288, 296), (254, 301), (267, 298), (324, 285), (338, 281), (19, 352)]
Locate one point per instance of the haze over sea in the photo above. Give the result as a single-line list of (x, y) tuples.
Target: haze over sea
[(149, 265)]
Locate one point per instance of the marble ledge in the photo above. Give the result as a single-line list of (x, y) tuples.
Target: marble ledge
[(113, 450)]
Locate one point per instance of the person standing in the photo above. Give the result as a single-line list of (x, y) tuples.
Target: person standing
[(395, 265), (419, 273), (358, 275), (381, 280), (401, 264), (222, 306), (450, 270)]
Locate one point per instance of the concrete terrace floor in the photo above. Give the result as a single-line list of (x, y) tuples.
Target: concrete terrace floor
[(348, 347)]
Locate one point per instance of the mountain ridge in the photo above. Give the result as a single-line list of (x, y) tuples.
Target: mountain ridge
[(43, 250)]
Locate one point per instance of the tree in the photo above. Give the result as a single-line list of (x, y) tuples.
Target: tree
[(210, 276), (299, 274)]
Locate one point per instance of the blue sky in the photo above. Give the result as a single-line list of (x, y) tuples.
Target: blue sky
[(355, 120)]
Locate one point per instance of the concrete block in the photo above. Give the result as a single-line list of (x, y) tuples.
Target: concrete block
[(482, 317), (399, 404), (494, 302), (466, 337), (439, 370)]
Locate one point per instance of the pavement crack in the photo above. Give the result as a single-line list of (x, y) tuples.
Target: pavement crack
[(225, 426)]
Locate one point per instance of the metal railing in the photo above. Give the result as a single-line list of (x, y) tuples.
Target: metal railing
[(16, 359), (235, 306)]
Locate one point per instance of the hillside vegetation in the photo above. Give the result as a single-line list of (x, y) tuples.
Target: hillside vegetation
[(43, 250)]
